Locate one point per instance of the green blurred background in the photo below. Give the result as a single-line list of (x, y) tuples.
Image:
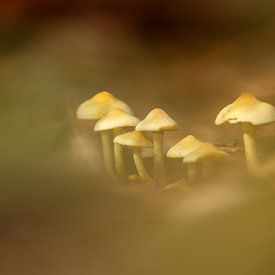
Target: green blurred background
[(191, 58)]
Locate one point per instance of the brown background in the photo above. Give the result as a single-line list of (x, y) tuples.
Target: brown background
[(59, 213)]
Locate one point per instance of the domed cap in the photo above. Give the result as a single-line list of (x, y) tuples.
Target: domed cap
[(184, 147), (157, 120), (133, 139), (205, 151), (99, 105), (115, 119), (247, 108)]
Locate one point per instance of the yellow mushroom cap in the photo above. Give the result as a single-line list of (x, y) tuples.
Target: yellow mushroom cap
[(99, 105), (184, 147), (119, 104), (157, 120), (115, 119), (247, 108), (133, 139), (205, 151)]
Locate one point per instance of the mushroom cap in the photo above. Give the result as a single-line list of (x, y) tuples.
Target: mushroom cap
[(133, 139), (157, 120), (205, 151), (184, 147), (247, 108), (115, 119), (99, 105)]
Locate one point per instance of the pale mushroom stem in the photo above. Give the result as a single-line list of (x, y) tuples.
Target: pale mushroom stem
[(141, 170), (207, 169), (250, 146), (159, 172), (192, 171), (118, 155), (107, 150)]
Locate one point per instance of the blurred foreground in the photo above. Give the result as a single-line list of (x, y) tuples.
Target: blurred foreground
[(69, 223)]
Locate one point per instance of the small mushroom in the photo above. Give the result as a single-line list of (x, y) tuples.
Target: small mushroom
[(205, 154), (137, 141), (250, 112), (99, 105), (95, 108), (116, 120), (157, 121), (184, 147)]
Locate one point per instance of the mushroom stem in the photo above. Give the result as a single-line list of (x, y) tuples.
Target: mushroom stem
[(250, 145), (158, 158), (207, 169), (107, 150), (141, 170), (118, 155), (192, 171)]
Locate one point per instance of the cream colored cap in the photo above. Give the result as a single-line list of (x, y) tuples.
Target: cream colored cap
[(99, 105), (247, 108), (205, 151), (157, 120), (133, 139), (119, 104), (115, 119), (184, 147)]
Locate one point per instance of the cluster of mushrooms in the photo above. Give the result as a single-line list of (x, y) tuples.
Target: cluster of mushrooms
[(115, 118)]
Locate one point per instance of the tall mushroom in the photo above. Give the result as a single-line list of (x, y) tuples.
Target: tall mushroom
[(205, 154), (157, 121), (250, 112), (184, 147), (137, 141), (99, 105), (95, 108), (116, 120)]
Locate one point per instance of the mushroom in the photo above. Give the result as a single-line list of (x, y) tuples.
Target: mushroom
[(137, 141), (157, 121), (249, 111), (184, 147), (95, 108), (115, 120), (99, 105), (205, 154)]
